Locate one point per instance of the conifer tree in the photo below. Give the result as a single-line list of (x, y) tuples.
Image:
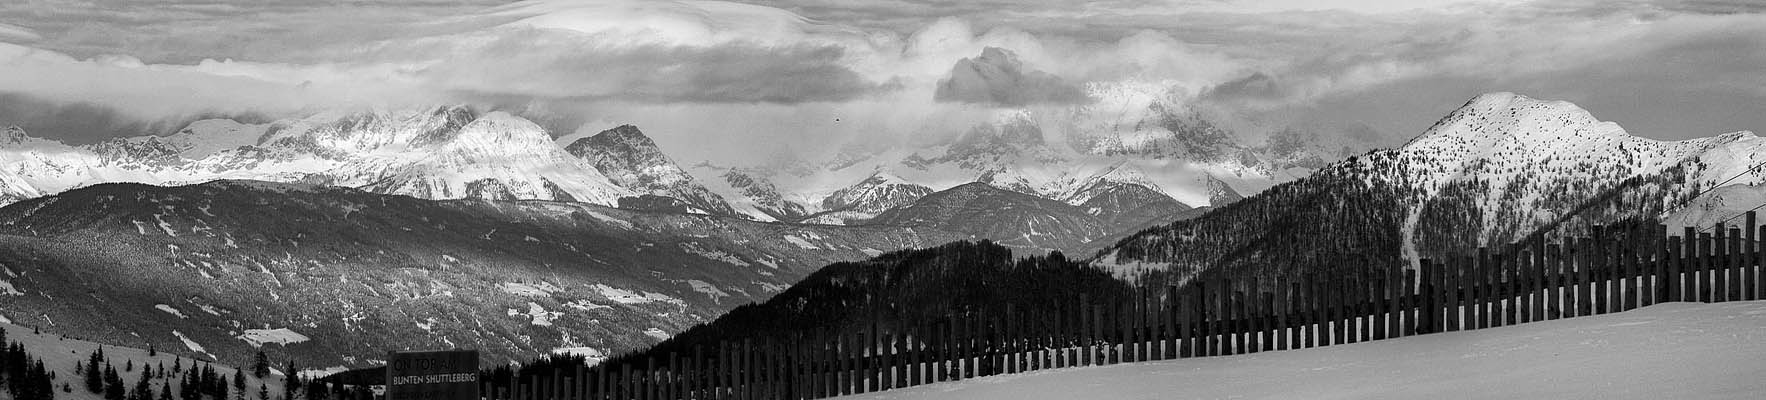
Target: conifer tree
[(239, 383), (291, 382), (95, 376), (165, 390), (113, 385), (263, 392), (260, 366), (143, 389)]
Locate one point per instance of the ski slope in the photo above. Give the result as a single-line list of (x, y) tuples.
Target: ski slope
[(1667, 351)]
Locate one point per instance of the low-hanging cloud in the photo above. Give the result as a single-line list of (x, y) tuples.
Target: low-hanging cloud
[(997, 77)]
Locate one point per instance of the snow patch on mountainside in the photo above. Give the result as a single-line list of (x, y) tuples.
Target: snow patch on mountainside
[(282, 336)]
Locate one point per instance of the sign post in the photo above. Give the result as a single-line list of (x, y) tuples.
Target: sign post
[(432, 375)]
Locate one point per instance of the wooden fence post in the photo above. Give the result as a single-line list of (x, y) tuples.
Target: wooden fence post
[(1319, 333), (1394, 296), (1749, 260), (1339, 332), (1732, 265), (1720, 264), (1703, 263)]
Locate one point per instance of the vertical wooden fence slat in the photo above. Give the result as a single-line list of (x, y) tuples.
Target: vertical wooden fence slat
[(1440, 286), (1364, 314), (1427, 302), (1703, 262), (1340, 317), (1640, 249), (1719, 264), (1412, 305), (1500, 262), (1174, 323), (1395, 300), (1536, 287), (1759, 263), (1750, 252), (1554, 281), (1306, 317), (1477, 280), (1726, 268), (1229, 315), (1689, 266), (1732, 263), (1268, 317), (1519, 298), (1671, 281), (1452, 292), (1624, 251)]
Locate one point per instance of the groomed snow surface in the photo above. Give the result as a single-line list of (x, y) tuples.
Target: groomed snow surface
[(1666, 351)]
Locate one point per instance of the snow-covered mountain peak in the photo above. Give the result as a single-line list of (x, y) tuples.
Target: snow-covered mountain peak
[(1495, 119)]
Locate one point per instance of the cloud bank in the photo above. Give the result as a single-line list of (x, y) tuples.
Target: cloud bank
[(781, 71)]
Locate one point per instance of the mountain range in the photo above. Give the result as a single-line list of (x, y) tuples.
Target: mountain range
[(1501, 169), (1133, 143)]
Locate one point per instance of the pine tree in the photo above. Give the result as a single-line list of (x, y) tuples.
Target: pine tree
[(42, 386), (144, 388), (129, 366), (95, 376), (260, 366), (165, 390), (113, 385), (291, 382), (187, 388), (178, 365), (151, 352), (316, 390), (239, 382), (263, 392)]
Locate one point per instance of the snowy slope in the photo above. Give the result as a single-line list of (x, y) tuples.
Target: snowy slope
[(1666, 351)]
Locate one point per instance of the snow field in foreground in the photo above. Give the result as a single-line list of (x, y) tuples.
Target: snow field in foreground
[(1665, 351)]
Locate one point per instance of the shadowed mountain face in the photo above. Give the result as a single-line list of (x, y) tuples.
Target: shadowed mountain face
[(200, 269), (923, 286)]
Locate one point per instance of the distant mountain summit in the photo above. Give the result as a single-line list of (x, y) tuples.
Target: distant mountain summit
[(632, 161)]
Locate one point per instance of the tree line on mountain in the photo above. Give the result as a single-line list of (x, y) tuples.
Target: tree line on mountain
[(27, 378), (897, 290)]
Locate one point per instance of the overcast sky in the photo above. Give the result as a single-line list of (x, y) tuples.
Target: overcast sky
[(703, 76)]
